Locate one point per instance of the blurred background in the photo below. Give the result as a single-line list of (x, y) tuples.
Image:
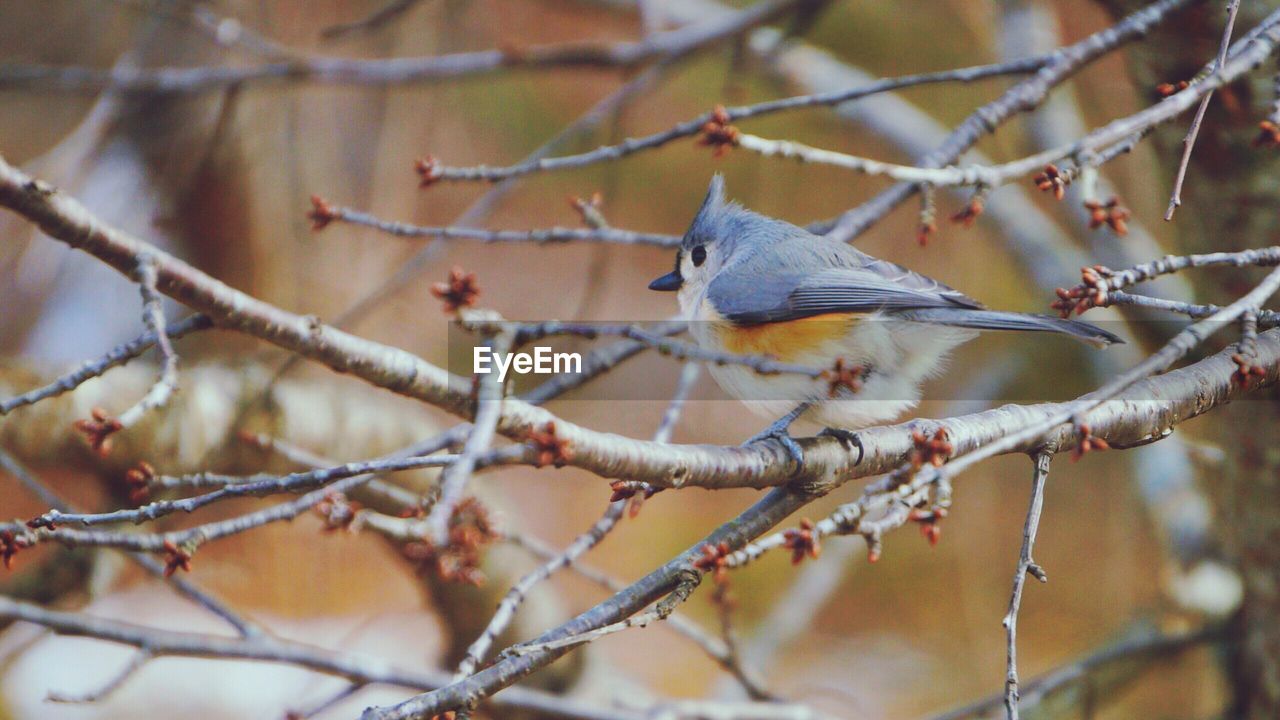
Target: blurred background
[(222, 178)]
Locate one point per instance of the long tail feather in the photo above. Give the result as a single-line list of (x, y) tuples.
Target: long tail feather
[(997, 320)]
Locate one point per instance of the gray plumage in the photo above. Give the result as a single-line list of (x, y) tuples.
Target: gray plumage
[(778, 272)]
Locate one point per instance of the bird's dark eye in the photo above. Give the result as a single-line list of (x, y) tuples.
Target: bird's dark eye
[(699, 256)]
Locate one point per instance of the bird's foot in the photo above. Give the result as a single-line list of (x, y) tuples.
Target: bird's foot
[(848, 438), (778, 431)]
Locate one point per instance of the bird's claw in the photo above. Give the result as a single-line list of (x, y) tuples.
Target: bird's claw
[(779, 433), (848, 438)]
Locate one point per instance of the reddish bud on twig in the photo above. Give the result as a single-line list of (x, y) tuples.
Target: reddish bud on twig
[(624, 489), (969, 214), (1090, 293), (874, 548), (338, 512), (1110, 213), (802, 542), (10, 544), (925, 231), (175, 559), (714, 560), (1246, 371), (1167, 89), (428, 170), (471, 529), (41, 521), (585, 206), (1053, 181), (459, 291), (98, 430), (321, 213), (1088, 443), (635, 491), (550, 449), (718, 133), (930, 450), (139, 478), (930, 522)]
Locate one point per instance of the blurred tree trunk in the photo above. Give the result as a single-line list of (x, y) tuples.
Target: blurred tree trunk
[(1229, 203)]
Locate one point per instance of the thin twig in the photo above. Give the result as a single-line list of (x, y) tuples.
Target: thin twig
[(153, 314), (1023, 96), (515, 596), (580, 546), (694, 126), (1267, 319), (1189, 142), (96, 368), (243, 626), (265, 648), (413, 268), (1107, 142), (661, 610), (1026, 566), (681, 624), (453, 482), (261, 485), (552, 235)]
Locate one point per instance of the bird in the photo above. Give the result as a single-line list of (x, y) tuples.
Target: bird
[(749, 284)]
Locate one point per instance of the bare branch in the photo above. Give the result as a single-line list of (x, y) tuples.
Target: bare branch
[(1189, 142), (326, 212), (164, 643), (453, 482), (259, 486), (687, 583), (1110, 141), (576, 549), (153, 314), (696, 126), (1021, 97), (1026, 566), (190, 590), (115, 358)]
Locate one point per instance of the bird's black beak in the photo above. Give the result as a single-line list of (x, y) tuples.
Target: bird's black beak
[(668, 283)]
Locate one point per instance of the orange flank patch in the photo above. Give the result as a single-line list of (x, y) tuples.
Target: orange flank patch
[(787, 341)]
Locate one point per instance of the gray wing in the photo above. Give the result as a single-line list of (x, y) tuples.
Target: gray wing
[(745, 299), (902, 276)]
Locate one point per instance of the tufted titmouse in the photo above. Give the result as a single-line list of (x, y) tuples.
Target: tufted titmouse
[(751, 284)]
